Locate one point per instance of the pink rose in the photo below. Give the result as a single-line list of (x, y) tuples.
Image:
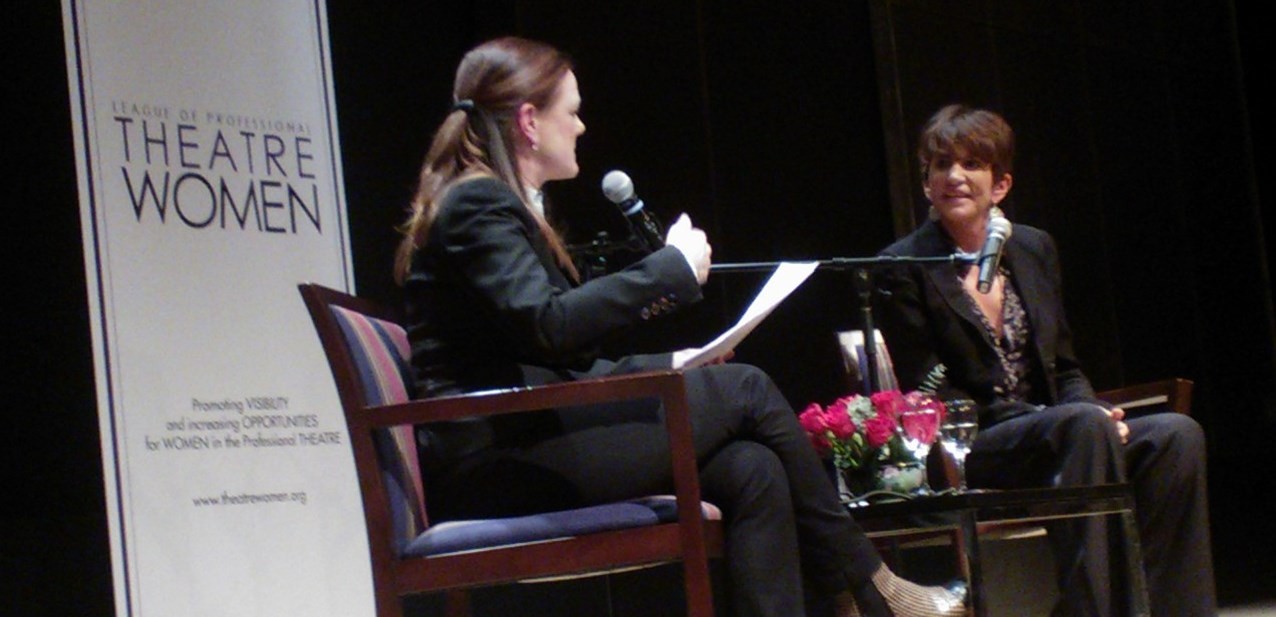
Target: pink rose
[(839, 423), (888, 402), (839, 407), (812, 419), (879, 429), (814, 423)]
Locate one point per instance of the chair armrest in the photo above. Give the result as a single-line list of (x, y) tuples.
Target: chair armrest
[(1175, 393), (656, 384), (667, 386)]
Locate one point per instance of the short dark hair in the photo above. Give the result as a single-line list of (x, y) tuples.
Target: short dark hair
[(978, 133)]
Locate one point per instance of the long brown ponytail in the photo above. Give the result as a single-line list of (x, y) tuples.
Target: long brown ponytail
[(477, 137)]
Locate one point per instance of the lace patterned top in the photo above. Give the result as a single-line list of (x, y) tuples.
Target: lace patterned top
[(1011, 343)]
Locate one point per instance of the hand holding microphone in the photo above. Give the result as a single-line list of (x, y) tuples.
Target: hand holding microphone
[(689, 240), (619, 190), (692, 242)]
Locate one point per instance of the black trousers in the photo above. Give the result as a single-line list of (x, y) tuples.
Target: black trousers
[(1164, 460), (783, 521)]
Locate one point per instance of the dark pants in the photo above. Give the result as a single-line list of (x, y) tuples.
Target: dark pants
[(782, 516), (1164, 460)]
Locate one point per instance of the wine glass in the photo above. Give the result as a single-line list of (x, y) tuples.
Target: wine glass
[(957, 433), (919, 425)]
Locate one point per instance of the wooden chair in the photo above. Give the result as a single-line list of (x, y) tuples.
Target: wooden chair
[(1167, 395), (368, 353), (1173, 394)]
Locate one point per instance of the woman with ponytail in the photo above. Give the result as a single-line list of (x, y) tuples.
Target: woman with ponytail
[(493, 301)]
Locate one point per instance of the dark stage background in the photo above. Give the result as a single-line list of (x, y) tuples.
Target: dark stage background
[(1143, 142)]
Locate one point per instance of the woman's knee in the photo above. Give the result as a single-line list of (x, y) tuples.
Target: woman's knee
[(747, 378), (1086, 435), (743, 474), (1084, 421), (1182, 429), (1175, 437), (745, 388)]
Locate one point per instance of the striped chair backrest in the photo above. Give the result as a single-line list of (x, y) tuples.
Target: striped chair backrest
[(380, 352)]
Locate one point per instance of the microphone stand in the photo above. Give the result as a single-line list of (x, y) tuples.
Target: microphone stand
[(860, 266), (842, 263)]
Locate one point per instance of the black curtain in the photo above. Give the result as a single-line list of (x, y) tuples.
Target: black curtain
[(1141, 149)]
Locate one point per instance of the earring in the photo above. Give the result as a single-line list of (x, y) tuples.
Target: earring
[(995, 212), (932, 214)]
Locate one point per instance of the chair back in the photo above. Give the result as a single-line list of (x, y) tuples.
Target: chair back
[(368, 352), (855, 360)]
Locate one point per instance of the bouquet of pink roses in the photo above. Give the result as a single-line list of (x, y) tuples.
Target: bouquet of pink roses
[(862, 433)]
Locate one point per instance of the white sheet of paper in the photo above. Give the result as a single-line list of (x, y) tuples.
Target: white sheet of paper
[(783, 281)]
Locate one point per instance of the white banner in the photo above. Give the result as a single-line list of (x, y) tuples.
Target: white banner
[(210, 185)]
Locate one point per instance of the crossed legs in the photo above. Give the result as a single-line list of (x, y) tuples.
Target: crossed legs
[(1164, 460)]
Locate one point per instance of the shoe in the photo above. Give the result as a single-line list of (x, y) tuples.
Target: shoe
[(887, 595)]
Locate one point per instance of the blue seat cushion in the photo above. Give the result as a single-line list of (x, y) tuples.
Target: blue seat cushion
[(666, 508), (454, 536)]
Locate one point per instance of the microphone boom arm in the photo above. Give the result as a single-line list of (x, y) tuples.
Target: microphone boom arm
[(863, 289), (843, 263)]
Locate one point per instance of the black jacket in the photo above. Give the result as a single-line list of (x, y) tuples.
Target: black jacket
[(926, 319), (488, 307)]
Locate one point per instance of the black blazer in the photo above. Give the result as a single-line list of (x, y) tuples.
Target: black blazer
[(926, 319), (488, 307)]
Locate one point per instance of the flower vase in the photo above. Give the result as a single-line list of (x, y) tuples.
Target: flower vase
[(902, 477), (854, 484), (868, 483)]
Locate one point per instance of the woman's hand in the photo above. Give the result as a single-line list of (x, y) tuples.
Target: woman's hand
[(693, 244), (1118, 415)]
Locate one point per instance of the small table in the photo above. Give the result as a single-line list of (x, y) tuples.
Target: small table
[(972, 512)]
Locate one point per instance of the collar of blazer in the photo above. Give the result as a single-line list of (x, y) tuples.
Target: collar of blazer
[(932, 240)]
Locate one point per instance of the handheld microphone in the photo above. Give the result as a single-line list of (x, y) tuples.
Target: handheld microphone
[(990, 258), (619, 189)]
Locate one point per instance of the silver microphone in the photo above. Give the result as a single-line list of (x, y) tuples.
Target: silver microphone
[(999, 230)]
